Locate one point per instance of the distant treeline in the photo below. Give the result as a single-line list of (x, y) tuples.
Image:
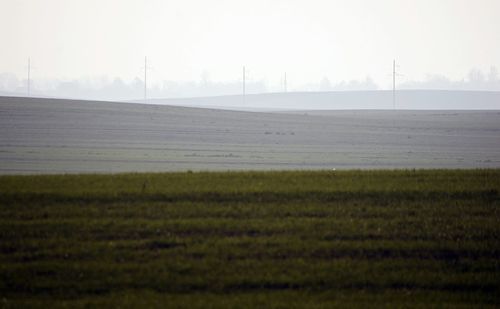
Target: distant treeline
[(105, 88)]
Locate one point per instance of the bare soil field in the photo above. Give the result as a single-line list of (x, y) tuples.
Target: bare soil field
[(69, 136)]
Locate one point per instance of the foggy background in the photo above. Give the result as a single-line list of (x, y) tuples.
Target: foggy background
[(95, 49), (105, 88)]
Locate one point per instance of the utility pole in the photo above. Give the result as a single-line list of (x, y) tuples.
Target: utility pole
[(145, 79), (244, 80), (29, 72), (395, 74), (285, 83), (394, 84)]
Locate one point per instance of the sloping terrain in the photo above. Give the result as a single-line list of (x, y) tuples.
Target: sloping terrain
[(68, 136), (378, 99)]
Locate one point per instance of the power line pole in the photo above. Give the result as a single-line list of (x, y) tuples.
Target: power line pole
[(394, 84), (285, 83), (395, 74), (244, 80), (29, 73), (145, 79)]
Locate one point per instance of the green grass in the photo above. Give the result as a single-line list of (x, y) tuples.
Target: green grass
[(251, 239)]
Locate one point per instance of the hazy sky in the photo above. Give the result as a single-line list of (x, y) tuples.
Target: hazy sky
[(309, 39)]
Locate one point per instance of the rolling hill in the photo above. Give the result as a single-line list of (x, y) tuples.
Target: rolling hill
[(71, 136), (405, 99)]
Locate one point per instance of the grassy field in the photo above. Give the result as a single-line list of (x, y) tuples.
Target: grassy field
[(251, 239)]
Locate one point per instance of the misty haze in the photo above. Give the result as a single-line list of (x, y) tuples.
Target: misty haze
[(249, 154)]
